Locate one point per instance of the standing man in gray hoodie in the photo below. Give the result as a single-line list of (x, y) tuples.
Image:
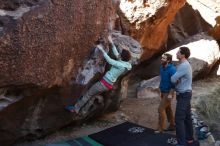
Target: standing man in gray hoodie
[(183, 84)]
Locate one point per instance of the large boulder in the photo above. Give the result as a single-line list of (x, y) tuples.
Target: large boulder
[(43, 42), (147, 22), (40, 111), (204, 54), (43, 45), (180, 28), (94, 68)]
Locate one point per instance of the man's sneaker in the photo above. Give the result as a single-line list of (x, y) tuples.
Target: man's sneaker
[(190, 141), (71, 108), (158, 131), (193, 143), (170, 129)]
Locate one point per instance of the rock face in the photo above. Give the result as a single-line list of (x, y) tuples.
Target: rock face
[(181, 28), (147, 22), (149, 88), (42, 112), (94, 67), (209, 10), (43, 42), (215, 31)]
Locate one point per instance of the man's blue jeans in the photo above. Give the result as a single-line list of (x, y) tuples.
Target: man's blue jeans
[(184, 127)]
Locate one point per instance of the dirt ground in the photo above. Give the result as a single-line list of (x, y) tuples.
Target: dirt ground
[(140, 111)]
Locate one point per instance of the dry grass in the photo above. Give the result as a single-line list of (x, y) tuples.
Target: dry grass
[(209, 110)]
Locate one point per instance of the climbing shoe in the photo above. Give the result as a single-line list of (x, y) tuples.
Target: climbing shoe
[(71, 108)]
